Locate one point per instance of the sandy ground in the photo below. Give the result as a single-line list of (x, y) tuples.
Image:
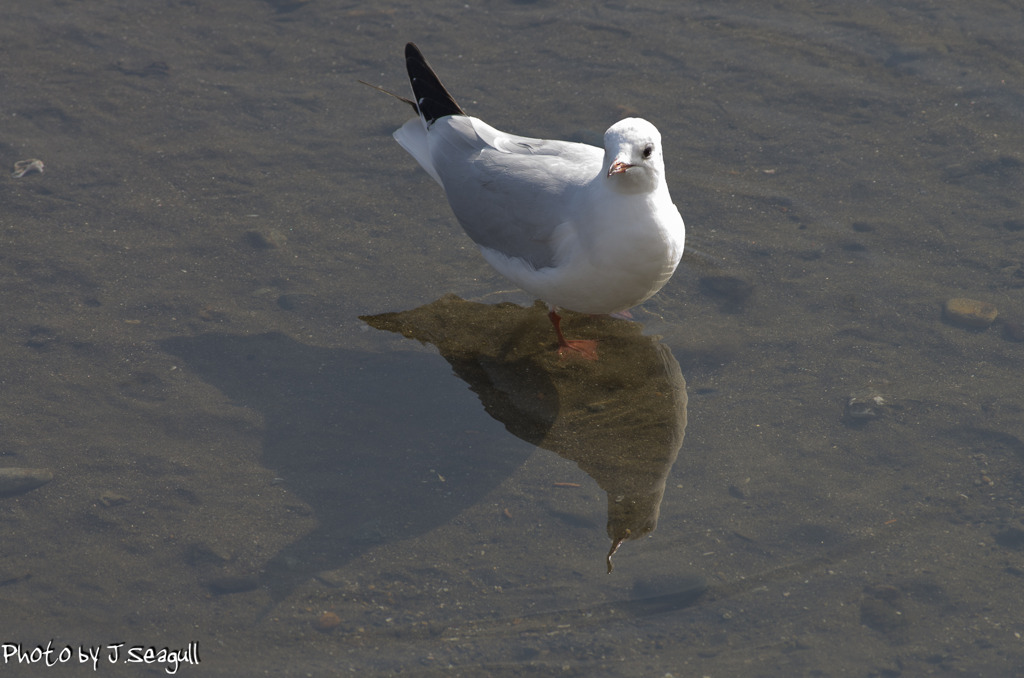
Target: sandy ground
[(235, 453)]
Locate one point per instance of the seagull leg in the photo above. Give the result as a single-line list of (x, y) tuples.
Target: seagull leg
[(585, 348)]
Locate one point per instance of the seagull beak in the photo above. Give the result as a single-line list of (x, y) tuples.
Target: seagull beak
[(618, 167)]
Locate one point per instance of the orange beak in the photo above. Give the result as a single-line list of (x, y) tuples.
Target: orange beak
[(618, 167)]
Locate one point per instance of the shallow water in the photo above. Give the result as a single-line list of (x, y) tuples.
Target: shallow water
[(236, 452)]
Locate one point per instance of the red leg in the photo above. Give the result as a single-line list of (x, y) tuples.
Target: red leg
[(586, 348)]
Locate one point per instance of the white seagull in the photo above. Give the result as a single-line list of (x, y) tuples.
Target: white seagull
[(584, 229)]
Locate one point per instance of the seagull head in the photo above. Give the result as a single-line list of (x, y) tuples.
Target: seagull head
[(632, 154)]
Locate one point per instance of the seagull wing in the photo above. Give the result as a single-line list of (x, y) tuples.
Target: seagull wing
[(510, 193)]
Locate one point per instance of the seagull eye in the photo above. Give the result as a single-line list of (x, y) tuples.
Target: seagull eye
[(648, 151)]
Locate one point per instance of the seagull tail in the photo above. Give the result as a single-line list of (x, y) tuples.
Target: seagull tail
[(413, 138), (432, 99)]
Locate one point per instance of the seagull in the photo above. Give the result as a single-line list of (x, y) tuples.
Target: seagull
[(583, 228)]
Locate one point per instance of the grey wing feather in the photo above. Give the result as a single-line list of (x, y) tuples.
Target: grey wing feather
[(510, 193)]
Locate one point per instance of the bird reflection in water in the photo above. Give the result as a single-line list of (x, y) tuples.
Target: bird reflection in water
[(621, 419)]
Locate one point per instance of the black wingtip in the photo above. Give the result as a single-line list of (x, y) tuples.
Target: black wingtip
[(432, 99)]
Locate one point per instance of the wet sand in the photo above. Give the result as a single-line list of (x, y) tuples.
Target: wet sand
[(234, 452)]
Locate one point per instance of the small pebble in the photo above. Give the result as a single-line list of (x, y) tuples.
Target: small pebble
[(109, 499), (865, 405), (20, 480), (23, 167), (970, 312), (327, 622), (210, 314)]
